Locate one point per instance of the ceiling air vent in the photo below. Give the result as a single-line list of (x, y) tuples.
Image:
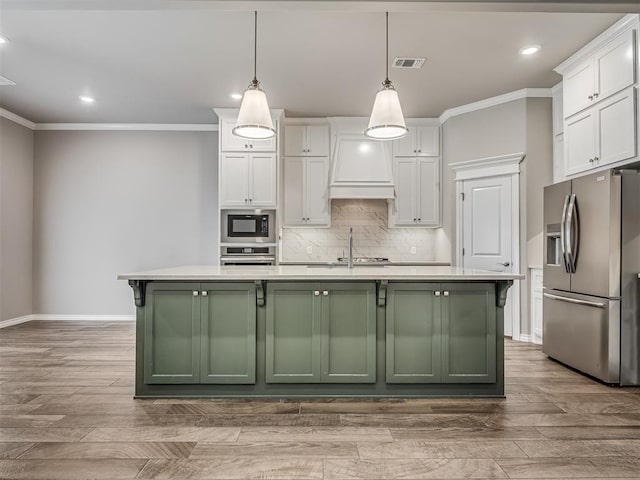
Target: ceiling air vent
[(408, 62), (5, 81)]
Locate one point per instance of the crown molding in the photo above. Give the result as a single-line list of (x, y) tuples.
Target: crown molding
[(152, 127), (17, 119), (493, 101), (557, 88), (487, 167)]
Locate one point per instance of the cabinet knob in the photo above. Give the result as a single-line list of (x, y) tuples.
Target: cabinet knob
[(419, 151), (591, 160), (250, 200), (246, 145), (195, 293), (250, 145), (414, 219), (325, 293), (590, 97), (595, 159), (419, 219), (436, 293), (414, 151), (246, 200), (595, 95), (204, 293), (445, 293), (316, 292)]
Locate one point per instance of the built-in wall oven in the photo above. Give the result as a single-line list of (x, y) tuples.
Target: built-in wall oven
[(248, 226)]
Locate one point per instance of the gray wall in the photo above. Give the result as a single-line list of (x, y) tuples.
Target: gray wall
[(113, 202), (16, 219), (519, 126)]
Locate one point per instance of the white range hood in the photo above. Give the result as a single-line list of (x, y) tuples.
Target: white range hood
[(360, 166)]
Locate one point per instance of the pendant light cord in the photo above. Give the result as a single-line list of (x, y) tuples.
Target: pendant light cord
[(387, 59), (255, 47)]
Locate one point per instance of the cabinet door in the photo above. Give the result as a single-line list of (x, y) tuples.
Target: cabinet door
[(413, 333), (262, 180), (406, 146), (228, 333), (405, 211), (348, 332), (577, 88), (615, 65), (429, 191), (579, 142), (294, 144), (468, 333), (316, 186), (234, 173), (172, 333), (428, 144), (228, 141), (293, 332), (616, 127), (317, 140), (294, 182)]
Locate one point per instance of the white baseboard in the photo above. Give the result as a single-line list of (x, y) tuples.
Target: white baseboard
[(16, 321), (525, 338), (72, 318)]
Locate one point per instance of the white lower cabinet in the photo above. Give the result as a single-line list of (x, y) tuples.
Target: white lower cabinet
[(306, 201), (535, 277), (247, 180), (602, 135), (417, 201)]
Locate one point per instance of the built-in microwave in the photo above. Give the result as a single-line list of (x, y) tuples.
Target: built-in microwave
[(248, 226)]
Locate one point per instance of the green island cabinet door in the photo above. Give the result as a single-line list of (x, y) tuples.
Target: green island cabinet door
[(348, 345), (413, 333), (172, 333), (293, 332), (228, 340), (468, 333)]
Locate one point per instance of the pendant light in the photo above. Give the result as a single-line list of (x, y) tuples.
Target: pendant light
[(254, 120), (387, 121)]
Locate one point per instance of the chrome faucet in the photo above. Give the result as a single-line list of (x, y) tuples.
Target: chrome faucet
[(350, 260)]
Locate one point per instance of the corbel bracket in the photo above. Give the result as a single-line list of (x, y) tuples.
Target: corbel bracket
[(139, 288), (382, 292), (501, 292), (260, 298)]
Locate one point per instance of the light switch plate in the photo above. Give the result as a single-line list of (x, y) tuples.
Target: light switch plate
[(413, 250), (309, 250)]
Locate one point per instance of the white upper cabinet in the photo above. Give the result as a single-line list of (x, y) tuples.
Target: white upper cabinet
[(579, 143), (247, 180), (232, 143), (405, 203), (421, 140), (306, 201), (607, 71), (306, 141), (417, 200)]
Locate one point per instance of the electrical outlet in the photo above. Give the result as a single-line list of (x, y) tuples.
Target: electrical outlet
[(413, 250), (309, 250)]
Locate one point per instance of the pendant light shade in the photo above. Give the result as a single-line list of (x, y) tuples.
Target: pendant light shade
[(254, 120), (386, 121)]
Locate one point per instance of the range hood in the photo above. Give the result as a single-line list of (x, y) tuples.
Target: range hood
[(361, 166)]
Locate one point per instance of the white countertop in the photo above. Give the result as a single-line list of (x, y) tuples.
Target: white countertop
[(300, 272)]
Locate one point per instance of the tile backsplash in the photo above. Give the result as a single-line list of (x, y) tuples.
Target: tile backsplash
[(371, 237)]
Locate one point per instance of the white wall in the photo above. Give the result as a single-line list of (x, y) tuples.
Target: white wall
[(112, 202), (16, 219)]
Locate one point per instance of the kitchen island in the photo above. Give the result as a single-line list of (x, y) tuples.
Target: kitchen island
[(319, 331)]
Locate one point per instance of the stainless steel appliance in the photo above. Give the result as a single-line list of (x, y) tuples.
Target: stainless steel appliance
[(248, 255), (248, 226), (591, 291)]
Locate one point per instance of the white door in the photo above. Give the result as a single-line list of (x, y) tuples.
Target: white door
[(428, 191), (262, 180), (405, 202), (294, 191), (578, 88), (294, 141), (234, 172), (428, 141), (615, 65), (487, 233), (316, 195), (579, 143), (317, 144), (616, 120)]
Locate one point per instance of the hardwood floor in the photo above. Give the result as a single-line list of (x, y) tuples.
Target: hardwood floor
[(67, 412)]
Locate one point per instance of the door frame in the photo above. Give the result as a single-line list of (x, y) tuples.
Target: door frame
[(500, 165)]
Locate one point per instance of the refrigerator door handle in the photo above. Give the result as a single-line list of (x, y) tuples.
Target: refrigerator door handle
[(563, 240), (573, 232), (574, 300)]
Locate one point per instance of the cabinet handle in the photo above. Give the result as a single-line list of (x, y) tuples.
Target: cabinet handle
[(436, 293), (325, 293), (195, 293), (595, 95), (590, 97), (316, 292), (445, 293), (204, 293)]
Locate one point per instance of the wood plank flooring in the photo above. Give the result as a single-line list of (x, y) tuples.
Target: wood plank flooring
[(67, 412)]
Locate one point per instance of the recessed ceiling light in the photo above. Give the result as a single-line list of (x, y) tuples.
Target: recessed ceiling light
[(236, 96), (85, 99), (529, 49), (3, 40)]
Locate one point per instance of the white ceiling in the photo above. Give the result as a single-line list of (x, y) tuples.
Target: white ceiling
[(173, 65)]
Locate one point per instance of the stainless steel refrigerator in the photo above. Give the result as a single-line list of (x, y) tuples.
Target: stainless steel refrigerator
[(591, 297)]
